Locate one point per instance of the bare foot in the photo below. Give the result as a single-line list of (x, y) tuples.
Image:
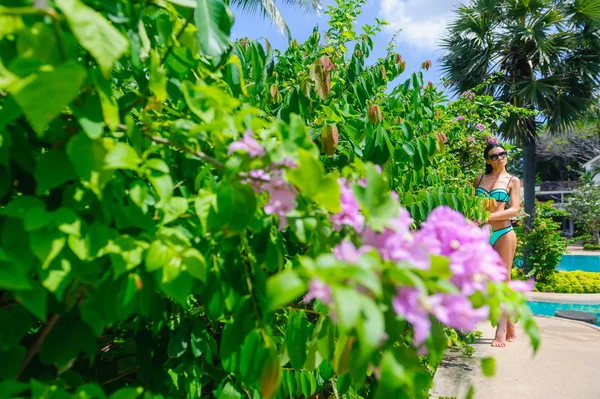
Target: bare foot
[(511, 332), (500, 339)]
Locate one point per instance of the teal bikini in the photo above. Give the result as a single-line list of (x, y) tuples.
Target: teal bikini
[(500, 195)]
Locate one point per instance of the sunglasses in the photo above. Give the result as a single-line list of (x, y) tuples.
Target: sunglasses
[(494, 157)]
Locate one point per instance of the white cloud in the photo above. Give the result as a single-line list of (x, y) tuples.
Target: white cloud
[(423, 22)]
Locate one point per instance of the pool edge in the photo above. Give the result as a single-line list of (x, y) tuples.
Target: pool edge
[(592, 326)]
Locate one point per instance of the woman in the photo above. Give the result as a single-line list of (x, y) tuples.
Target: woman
[(504, 189)]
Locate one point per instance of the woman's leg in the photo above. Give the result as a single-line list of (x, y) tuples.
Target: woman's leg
[(505, 246)]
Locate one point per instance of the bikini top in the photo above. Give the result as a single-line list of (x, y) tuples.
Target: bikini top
[(499, 194)]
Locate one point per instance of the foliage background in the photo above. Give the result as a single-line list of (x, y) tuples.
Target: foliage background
[(136, 257)]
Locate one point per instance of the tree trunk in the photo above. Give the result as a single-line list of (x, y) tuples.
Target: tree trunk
[(529, 159), (595, 235), (529, 176)]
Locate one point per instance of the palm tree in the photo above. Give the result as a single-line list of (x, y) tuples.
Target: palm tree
[(269, 9), (547, 57)]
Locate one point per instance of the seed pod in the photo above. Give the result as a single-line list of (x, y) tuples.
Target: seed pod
[(375, 114)]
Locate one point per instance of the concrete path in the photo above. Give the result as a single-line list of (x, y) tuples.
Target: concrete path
[(588, 299), (567, 365)]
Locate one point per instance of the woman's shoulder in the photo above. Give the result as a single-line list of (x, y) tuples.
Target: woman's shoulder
[(514, 181)]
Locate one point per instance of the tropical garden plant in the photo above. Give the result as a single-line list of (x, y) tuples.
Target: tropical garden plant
[(542, 246), (179, 218), (584, 206)]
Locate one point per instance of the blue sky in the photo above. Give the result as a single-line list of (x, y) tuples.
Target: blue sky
[(422, 22)]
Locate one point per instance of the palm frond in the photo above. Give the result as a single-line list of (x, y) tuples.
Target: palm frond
[(584, 12)]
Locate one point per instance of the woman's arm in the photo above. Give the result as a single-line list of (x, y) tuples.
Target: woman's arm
[(515, 203)]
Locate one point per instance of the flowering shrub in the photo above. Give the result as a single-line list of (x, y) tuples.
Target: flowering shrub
[(584, 205), (544, 241), (172, 228)]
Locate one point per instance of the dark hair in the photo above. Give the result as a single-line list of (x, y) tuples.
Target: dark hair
[(488, 167)]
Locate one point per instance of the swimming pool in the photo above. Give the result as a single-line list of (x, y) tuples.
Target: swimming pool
[(548, 309), (586, 263)]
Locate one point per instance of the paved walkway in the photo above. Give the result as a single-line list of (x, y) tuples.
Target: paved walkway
[(578, 250), (567, 365), (589, 299)]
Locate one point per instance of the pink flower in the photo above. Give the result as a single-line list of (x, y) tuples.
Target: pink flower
[(480, 127), (318, 290), (522, 286), (407, 305), (256, 178), (456, 311), (247, 144), (459, 118), (445, 230), (396, 243), (472, 139), (282, 199), (473, 265), (491, 140), (286, 162), (350, 214), (347, 252)]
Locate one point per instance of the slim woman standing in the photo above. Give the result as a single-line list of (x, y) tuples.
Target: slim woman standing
[(504, 189)]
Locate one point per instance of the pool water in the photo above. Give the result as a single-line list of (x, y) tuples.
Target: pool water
[(548, 308), (586, 263)]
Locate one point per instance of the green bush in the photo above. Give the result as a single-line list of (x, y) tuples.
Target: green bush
[(591, 247), (545, 243), (576, 282)]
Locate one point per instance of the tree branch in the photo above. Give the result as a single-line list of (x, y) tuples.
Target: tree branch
[(199, 154), (170, 49), (37, 345)]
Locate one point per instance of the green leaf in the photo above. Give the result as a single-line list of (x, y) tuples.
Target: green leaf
[(46, 245), (122, 156), (347, 304), (158, 77), (174, 208), (377, 204), (13, 277), (36, 218), (10, 360), (34, 300), (89, 391), (127, 393), (163, 184), (236, 204), (488, 366), (230, 392), (533, 332), (198, 338), (184, 3), (179, 342), (194, 263), (108, 101), (284, 287), (52, 170), (57, 87), (312, 181), (88, 158), (89, 115), (296, 339), (94, 33), (440, 267), (8, 389), (371, 326), (19, 321), (67, 221), (213, 21), (158, 255)]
